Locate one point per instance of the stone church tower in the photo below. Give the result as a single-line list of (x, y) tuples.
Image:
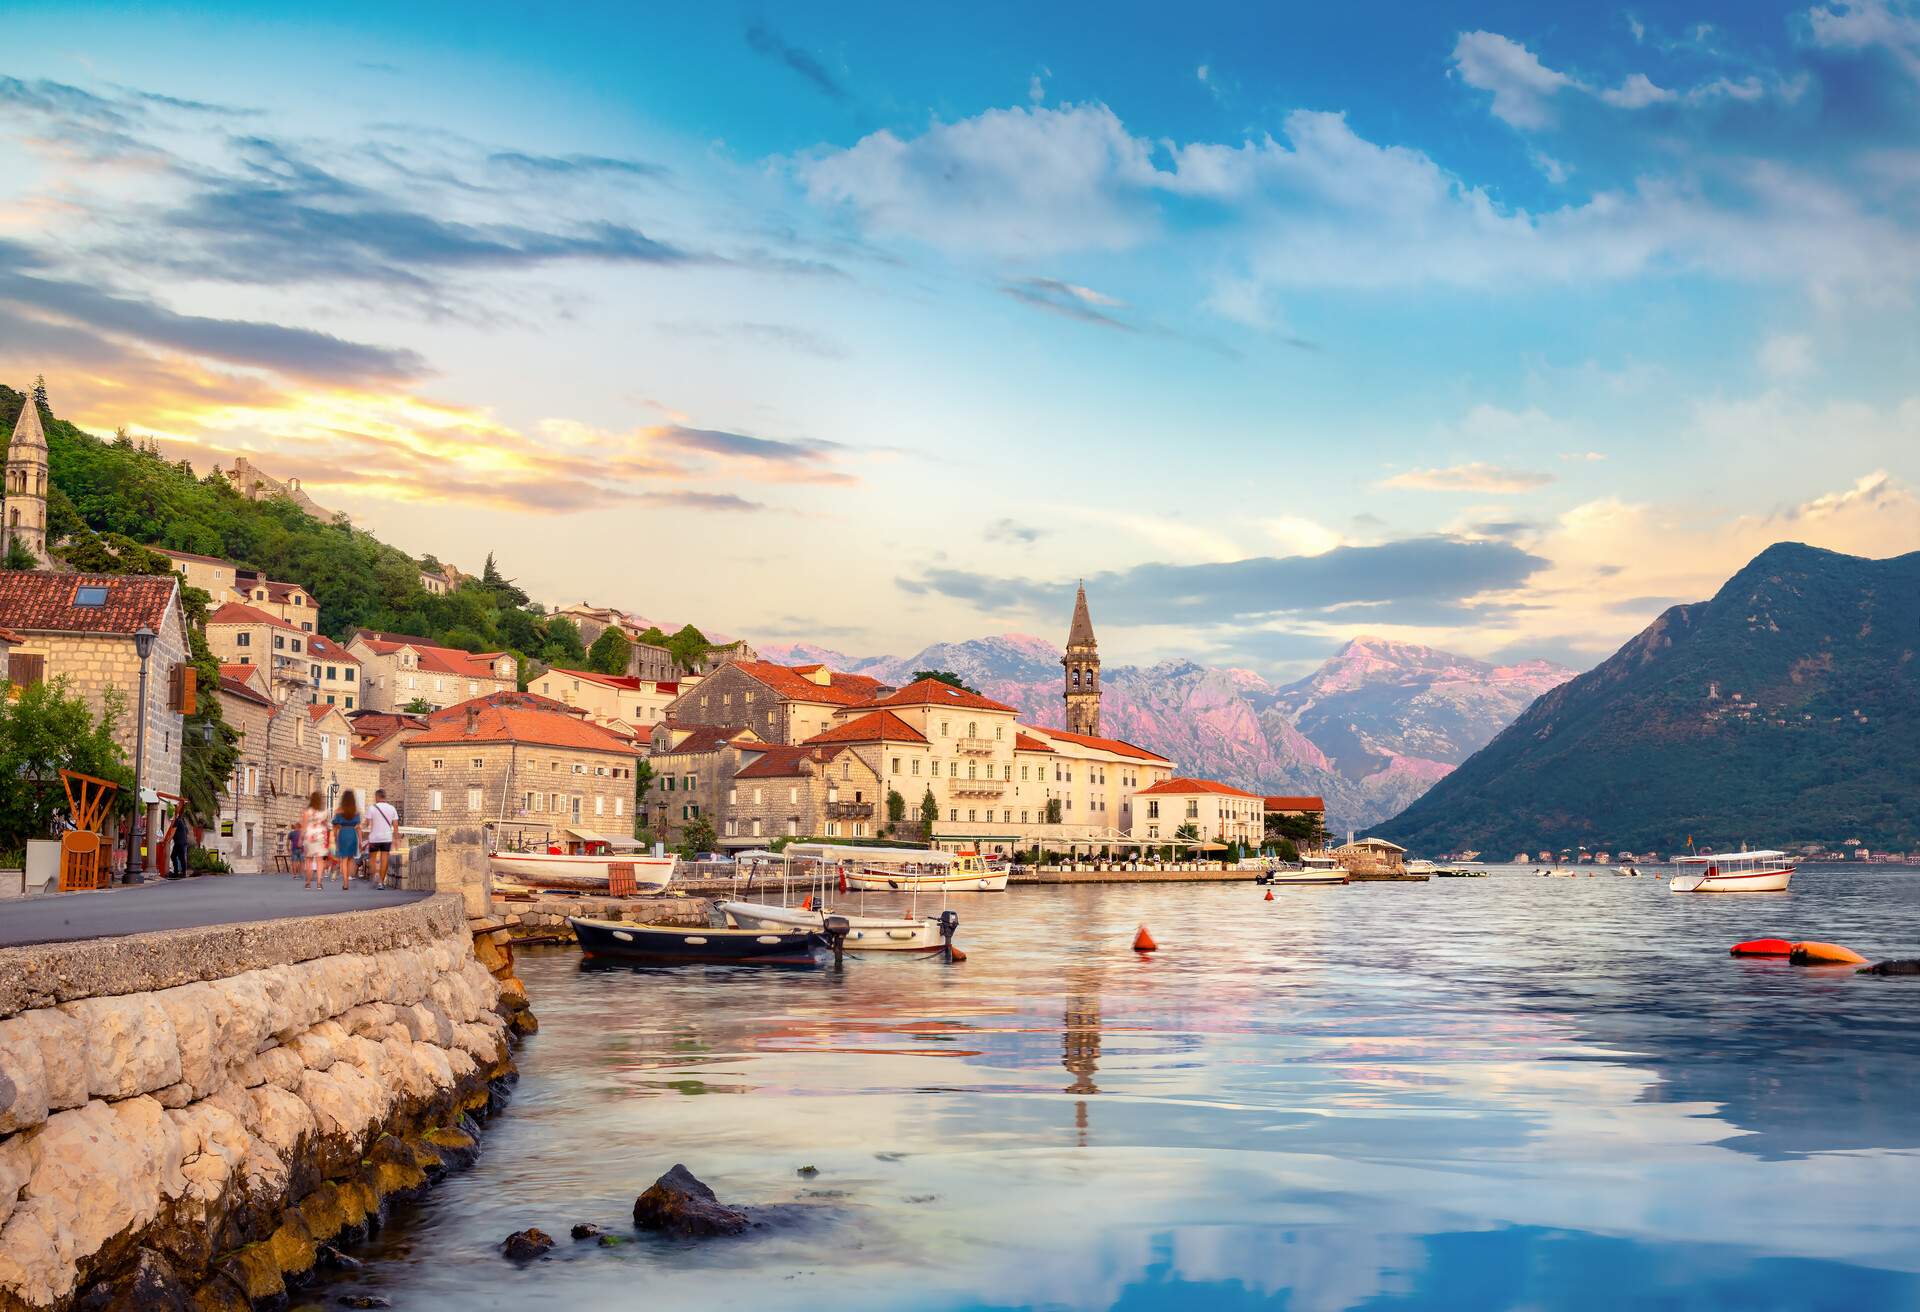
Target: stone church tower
[(1082, 663), (25, 505)]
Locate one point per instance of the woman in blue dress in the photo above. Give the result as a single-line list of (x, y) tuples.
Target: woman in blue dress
[(346, 836)]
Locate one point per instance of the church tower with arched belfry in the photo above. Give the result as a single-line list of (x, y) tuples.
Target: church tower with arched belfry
[(24, 507), (1082, 663)]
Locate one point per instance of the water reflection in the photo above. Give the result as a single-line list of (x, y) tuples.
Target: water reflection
[(1489, 1093)]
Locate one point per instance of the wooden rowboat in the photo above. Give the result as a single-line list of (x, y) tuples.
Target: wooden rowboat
[(621, 940)]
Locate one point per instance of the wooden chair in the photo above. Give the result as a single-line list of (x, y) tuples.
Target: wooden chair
[(88, 797), (283, 854)]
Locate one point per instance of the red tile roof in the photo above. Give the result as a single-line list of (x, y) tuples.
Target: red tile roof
[(841, 690), (238, 612), (781, 762), (873, 727), (1296, 804), (1199, 786), (9, 636), (625, 682), (1026, 742), (510, 724), (385, 721), (246, 692), (37, 601), (526, 701), (363, 753), (932, 692), (1115, 745), (327, 649), (320, 710), (435, 660)]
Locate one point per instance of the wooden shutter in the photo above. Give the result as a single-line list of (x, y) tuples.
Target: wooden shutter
[(180, 689), (24, 670)]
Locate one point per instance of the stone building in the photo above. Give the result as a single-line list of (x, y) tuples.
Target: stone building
[(218, 578), (780, 703), (1082, 665), (80, 628), (340, 769), (821, 791), (336, 673), (23, 505), (618, 701), (1219, 813), (256, 484), (225, 581), (396, 671), (380, 738), (530, 774), (240, 634), (693, 766), (240, 832)]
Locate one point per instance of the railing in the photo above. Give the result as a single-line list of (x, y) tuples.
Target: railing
[(976, 787), (973, 746), (849, 810)]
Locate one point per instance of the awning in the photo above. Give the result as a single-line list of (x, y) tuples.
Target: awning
[(870, 855)]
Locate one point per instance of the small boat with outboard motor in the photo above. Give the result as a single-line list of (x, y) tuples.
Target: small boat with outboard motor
[(623, 940), (880, 931)]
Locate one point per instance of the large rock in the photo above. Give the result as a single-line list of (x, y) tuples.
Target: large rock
[(681, 1206), (131, 1047), (525, 1245), (151, 1285)]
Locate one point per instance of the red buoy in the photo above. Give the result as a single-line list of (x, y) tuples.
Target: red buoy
[(1762, 947), (1269, 895), (1143, 941)]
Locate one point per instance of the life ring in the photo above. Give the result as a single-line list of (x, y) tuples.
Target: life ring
[(1825, 954)]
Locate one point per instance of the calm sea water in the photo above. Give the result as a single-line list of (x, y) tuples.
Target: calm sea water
[(1509, 1092)]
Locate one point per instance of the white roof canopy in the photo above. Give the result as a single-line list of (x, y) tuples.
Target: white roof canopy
[(871, 855), (1721, 858)]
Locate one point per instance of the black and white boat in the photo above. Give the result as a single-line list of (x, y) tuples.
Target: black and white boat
[(620, 940)]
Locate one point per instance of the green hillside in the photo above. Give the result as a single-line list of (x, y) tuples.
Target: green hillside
[(1785, 710)]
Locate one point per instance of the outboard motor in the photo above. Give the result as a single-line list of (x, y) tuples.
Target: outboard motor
[(836, 929), (949, 926)]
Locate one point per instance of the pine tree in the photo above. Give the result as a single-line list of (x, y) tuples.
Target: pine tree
[(40, 392)]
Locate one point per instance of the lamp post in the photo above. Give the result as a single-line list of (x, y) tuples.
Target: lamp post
[(142, 644)]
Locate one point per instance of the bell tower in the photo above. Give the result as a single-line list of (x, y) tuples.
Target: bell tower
[(25, 505), (1082, 662)]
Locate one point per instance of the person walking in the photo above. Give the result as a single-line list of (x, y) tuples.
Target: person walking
[(346, 837), (313, 840), (182, 841), (381, 822)]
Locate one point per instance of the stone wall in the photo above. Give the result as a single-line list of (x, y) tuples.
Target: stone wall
[(197, 1112), (570, 787), (94, 664)]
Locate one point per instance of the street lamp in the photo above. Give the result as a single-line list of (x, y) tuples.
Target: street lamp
[(142, 644)]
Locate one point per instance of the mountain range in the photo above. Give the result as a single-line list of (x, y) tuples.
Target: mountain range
[(1370, 730), (1784, 710)]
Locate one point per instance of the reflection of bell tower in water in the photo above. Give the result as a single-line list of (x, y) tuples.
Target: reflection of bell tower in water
[(1080, 1047)]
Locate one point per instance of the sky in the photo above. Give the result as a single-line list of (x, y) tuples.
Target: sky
[(1499, 326)]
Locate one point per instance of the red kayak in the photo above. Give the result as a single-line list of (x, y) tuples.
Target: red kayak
[(1763, 947)]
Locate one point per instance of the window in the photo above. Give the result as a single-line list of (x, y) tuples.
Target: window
[(969, 815), (953, 814), (478, 762), (347, 674), (916, 765), (943, 728), (733, 796), (756, 797), (793, 796), (473, 799), (1153, 809), (243, 639), (896, 765), (793, 828), (90, 596), (433, 800), (953, 769), (1193, 809), (438, 763), (600, 805), (756, 829)]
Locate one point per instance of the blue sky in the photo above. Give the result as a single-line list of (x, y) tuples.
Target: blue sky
[(1493, 326)]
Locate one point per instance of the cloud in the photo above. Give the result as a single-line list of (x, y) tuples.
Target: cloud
[(297, 352), (1585, 457), (802, 461), (1412, 580), (1008, 530), (1786, 356), (1300, 536), (1062, 298), (1637, 92), (1523, 88), (554, 165), (763, 40), (1476, 476), (785, 336), (1870, 24)]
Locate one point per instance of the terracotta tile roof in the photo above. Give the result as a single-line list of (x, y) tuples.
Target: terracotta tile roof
[(1302, 803), (37, 601), (789, 682), (385, 721), (932, 692), (9, 636), (525, 701), (625, 682), (706, 737), (1115, 745), (1199, 786), (240, 688), (873, 727), (781, 762), (512, 724), (327, 649), (433, 659), (238, 612), (362, 753), (194, 555), (1026, 742)]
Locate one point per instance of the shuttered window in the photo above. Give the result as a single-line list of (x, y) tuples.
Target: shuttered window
[(24, 671)]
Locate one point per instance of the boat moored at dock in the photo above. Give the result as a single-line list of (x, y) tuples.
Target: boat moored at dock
[(622, 940), (1733, 872)]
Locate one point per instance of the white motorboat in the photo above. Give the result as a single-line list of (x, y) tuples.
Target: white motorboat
[(1733, 872), (1427, 868), (962, 872), (864, 934), (1313, 870), (583, 861)]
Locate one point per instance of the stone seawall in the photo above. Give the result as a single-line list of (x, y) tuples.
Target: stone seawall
[(187, 1118)]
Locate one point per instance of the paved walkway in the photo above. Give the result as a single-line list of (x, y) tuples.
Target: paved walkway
[(180, 904)]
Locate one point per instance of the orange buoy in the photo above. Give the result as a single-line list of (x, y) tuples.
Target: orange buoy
[(1143, 941), (1269, 895), (1762, 947), (808, 904), (956, 955), (1825, 954)]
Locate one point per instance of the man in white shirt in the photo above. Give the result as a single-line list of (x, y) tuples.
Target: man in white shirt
[(381, 820)]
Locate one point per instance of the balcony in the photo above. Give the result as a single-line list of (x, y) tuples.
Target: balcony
[(973, 746), (976, 787), (849, 810)]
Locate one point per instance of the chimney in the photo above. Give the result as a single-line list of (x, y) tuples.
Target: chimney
[(473, 720)]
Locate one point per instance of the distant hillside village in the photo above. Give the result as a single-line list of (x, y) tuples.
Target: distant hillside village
[(703, 748)]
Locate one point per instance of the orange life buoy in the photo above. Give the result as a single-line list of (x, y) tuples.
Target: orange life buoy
[(1825, 954)]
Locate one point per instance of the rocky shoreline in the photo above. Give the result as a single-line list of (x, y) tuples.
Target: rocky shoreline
[(203, 1144)]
